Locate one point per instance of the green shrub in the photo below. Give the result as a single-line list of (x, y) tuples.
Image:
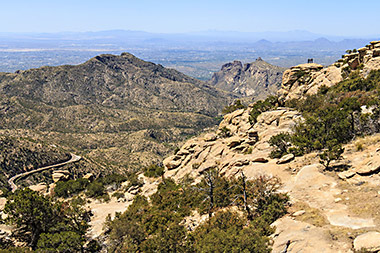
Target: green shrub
[(333, 152), (281, 143), (154, 170), (359, 146), (225, 132), (133, 180), (113, 178), (235, 106), (262, 106), (44, 225), (333, 117), (118, 195), (156, 225), (227, 232), (95, 189), (68, 188)]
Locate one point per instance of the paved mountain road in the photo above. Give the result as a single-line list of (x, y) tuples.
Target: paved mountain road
[(11, 181)]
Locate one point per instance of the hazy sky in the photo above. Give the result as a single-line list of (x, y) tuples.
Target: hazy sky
[(334, 17)]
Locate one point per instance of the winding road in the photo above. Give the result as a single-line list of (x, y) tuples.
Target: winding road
[(11, 181)]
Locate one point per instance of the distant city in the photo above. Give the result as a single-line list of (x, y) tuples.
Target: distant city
[(197, 55)]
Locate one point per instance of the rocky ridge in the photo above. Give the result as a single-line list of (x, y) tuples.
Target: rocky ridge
[(306, 79), (331, 211), (116, 82), (258, 79), (244, 145), (323, 206)]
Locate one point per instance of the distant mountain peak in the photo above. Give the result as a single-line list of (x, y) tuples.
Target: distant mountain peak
[(257, 79)]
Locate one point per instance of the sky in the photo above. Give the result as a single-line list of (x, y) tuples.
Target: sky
[(331, 17)]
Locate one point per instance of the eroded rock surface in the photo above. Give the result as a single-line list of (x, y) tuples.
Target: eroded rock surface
[(369, 241), (257, 79), (245, 144), (305, 79)]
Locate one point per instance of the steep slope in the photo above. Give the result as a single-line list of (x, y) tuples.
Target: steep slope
[(258, 79), (21, 155), (326, 213), (117, 107), (332, 206)]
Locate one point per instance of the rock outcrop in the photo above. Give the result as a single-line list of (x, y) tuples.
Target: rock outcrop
[(370, 242), (365, 57), (306, 79), (327, 207), (244, 144), (258, 79)]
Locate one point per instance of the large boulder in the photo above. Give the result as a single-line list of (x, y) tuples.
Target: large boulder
[(170, 163), (57, 176), (298, 75), (269, 117), (285, 159), (297, 236), (369, 166), (369, 241)]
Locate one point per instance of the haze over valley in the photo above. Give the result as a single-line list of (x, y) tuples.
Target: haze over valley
[(195, 54), (189, 126)]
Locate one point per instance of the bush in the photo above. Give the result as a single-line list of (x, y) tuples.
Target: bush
[(262, 106), (281, 143), (134, 180), (227, 232), (68, 188), (225, 132), (156, 225), (333, 152), (235, 106), (154, 170), (113, 179), (333, 117), (44, 225), (95, 189)]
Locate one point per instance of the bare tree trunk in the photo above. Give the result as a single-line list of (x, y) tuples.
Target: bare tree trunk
[(210, 183), (245, 197)]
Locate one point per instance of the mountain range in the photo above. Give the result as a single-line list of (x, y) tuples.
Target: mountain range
[(112, 108)]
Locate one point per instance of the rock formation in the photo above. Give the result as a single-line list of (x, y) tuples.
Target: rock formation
[(306, 79), (330, 211), (245, 144), (258, 79)]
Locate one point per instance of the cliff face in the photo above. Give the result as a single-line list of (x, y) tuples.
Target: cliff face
[(258, 79)]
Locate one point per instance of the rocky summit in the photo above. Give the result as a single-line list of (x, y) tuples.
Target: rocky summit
[(115, 82), (258, 79), (305, 79)]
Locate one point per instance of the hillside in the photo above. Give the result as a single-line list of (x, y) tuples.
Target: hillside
[(119, 110), (21, 155), (321, 139), (115, 82), (258, 79), (295, 172)]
